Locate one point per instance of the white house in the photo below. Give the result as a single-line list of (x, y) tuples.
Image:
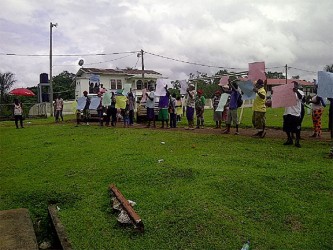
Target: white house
[(92, 79)]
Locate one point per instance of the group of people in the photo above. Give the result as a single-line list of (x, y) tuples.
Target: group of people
[(108, 113), (170, 109), (195, 104)]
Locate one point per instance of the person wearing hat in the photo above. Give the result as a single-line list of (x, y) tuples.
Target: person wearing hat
[(292, 118), (259, 109), (217, 114), (190, 105), (200, 108)]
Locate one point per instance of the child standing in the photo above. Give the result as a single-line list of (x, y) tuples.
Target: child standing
[(217, 114), (179, 108)]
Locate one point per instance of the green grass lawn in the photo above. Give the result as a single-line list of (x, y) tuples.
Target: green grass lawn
[(210, 192)]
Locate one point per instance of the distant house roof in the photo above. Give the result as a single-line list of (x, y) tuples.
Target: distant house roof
[(128, 72), (275, 82)]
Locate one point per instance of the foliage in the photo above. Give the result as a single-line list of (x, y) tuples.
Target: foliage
[(329, 68), (63, 85), (211, 191), (275, 75), (7, 80)]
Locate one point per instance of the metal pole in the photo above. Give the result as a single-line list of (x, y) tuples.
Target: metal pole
[(51, 87), (286, 73), (143, 68)]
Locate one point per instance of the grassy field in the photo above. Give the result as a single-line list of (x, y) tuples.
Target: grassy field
[(210, 192)]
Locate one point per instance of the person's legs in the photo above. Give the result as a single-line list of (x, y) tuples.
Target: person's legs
[(289, 139), (60, 113), (202, 121), (131, 117), (56, 115), (16, 120), (21, 121), (228, 122), (78, 117)]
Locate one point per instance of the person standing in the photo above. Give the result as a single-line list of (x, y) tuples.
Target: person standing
[(232, 115), (317, 112), (172, 111), (179, 108), (100, 109), (150, 105), (113, 110), (200, 108), (86, 111), (292, 118), (163, 104), (59, 106), (190, 105), (18, 113), (131, 106), (259, 109), (217, 114)]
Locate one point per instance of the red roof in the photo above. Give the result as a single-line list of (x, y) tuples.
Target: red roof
[(275, 82)]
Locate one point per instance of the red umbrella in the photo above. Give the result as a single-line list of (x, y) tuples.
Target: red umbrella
[(22, 92)]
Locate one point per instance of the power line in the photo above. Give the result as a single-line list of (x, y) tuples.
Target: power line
[(68, 55), (96, 62), (193, 63), (309, 71)]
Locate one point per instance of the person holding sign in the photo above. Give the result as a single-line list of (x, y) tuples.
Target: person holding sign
[(292, 118), (150, 104), (232, 115), (317, 112), (259, 109), (190, 105)]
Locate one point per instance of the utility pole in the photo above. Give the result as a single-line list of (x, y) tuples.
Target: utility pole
[(286, 73), (143, 68), (51, 84)]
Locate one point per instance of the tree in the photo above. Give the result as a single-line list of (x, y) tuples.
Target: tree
[(64, 85), (329, 68), (275, 75), (6, 82)]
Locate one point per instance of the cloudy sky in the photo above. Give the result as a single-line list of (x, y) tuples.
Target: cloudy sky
[(225, 34)]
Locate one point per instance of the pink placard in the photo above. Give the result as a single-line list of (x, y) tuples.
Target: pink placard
[(224, 80), (144, 97), (283, 96), (257, 71)]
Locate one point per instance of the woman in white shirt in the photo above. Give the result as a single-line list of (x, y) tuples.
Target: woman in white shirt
[(18, 112)]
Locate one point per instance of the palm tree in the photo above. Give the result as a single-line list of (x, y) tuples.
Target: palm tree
[(329, 68), (6, 82)]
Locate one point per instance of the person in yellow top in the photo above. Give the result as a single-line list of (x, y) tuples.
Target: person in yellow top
[(259, 109)]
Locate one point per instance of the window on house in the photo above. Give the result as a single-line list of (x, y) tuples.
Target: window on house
[(139, 84), (113, 84), (119, 84), (91, 87), (151, 84)]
